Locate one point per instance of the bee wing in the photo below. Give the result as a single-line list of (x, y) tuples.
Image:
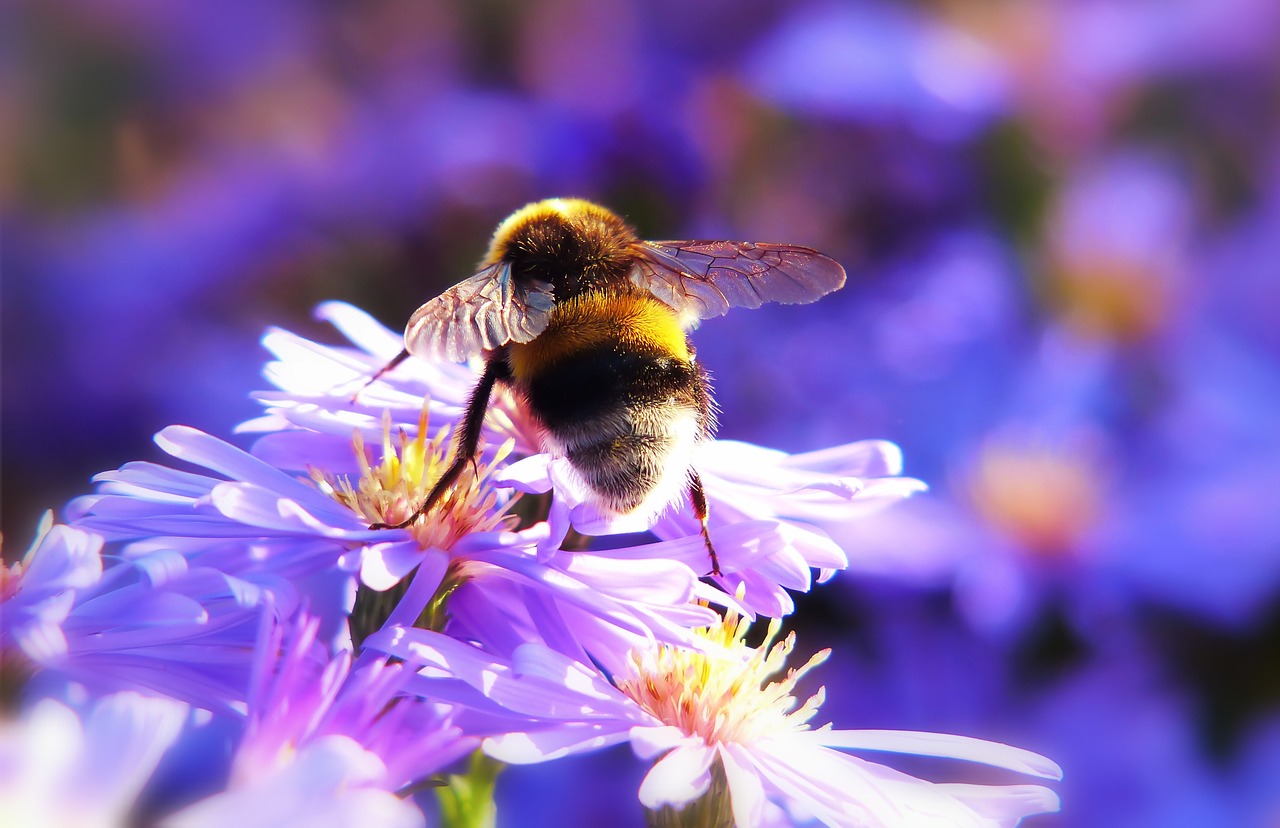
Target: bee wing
[(479, 314), (706, 278)]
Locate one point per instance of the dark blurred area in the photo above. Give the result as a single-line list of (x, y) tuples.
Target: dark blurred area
[(1061, 222)]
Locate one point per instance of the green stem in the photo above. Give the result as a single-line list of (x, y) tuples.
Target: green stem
[(373, 608), (466, 799)]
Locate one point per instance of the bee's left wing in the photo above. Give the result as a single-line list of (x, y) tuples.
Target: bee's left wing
[(479, 314), (705, 278)]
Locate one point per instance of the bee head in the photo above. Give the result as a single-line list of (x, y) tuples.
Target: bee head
[(571, 243)]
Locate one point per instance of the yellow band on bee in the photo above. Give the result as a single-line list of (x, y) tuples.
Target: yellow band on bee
[(595, 320)]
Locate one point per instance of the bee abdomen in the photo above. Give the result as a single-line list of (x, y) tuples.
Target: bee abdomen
[(622, 469), (636, 460), (626, 421)]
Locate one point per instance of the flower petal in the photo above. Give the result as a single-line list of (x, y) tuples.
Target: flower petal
[(940, 744), (680, 777), (542, 745), (865, 458), (1006, 804), (746, 791), (383, 565), (648, 742)]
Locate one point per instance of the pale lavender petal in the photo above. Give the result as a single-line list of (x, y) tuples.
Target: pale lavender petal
[(590, 519), (580, 692), (60, 770), (162, 566), (141, 608), (939, 744), (362, 329), (865, 458), (125, 736), (529, 474), (760, 595), (1004, 804), (299, 450), (739, 545), (592, 693), (746, 791), (814, 548), (383, 565), (306, 368), (649, 581), (207, 451), (62, 558), (749, 480), (154, 482), (883, 492), (330, 783), (680, 777), (527, 748), (929, 804), (638, 619), (61, 564), (266, 509), (42, 641), (827, 782), (648, 742)]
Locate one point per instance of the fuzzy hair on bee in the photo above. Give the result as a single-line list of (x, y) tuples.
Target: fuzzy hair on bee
[(588, 326)]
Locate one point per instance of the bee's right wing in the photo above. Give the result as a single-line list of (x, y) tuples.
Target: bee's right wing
[(703, 279), (479, 314)]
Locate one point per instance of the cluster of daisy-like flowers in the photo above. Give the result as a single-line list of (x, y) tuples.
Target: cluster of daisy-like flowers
[(355, 664)]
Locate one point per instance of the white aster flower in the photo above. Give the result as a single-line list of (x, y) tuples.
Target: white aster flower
[(728, 733)]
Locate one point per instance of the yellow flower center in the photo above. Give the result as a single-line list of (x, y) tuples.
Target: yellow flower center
[(725, 697), (393, 489), (1112, 299), (1041, 497)]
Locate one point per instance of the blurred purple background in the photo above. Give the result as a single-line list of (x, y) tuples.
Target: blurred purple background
[(1061, 222)]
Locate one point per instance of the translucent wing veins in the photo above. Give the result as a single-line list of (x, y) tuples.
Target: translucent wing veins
[(706, 278), (479, 314)]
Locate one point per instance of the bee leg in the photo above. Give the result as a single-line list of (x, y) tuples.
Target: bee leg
[(465, 444), (699, 498), (396, 360)]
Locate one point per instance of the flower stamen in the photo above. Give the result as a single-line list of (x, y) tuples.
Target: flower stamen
[(726, 697), (392, 490)]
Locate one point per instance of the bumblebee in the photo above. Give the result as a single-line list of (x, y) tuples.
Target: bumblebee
[(587, 325)]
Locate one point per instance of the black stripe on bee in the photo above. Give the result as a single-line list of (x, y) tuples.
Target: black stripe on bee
[(594, 383)]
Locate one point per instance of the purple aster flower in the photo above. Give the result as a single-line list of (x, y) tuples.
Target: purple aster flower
[(327, 743), (155, 624), (1117, 246), (250, 522), (258, 523), (730, 735), (812, 496), (38, 593), (58, 768)]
